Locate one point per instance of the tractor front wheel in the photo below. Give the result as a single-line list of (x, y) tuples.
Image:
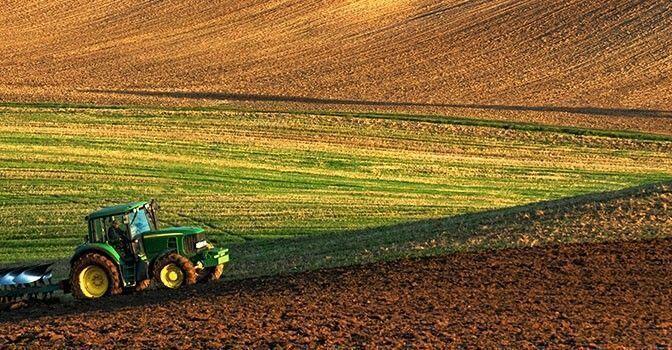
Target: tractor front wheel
[(93, 276), (211, 273), (173, 271)]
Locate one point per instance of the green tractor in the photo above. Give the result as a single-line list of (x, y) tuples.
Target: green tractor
[(124, 250)]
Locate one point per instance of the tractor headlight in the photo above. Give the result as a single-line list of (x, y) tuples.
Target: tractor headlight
[(201, 244)]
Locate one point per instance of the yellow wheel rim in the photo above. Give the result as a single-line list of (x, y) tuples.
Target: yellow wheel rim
[(93, 281), (172, 276)]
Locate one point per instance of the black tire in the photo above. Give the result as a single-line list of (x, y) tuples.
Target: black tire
[(95, 259), (187, 268), (212, 273)]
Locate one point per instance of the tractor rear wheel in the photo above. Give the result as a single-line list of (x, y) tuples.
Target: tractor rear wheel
[(93, 276), (212, 273), (173, 271)]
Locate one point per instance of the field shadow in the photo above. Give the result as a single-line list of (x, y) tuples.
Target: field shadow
[(241, 97), (287, 262)]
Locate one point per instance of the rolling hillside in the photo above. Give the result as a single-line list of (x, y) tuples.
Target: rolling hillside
[(258, 179), (587, 63)]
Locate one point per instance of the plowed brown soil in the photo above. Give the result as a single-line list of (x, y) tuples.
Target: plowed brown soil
[(606, 295), (599, 64), (568, 296)]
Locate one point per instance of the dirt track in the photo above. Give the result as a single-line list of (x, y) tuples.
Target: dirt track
[(604, 295)]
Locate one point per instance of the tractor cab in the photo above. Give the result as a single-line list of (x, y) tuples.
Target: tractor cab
[(129, 221), (125, 248)]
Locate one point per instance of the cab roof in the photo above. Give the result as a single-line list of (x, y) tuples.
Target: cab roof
[(115, 210)]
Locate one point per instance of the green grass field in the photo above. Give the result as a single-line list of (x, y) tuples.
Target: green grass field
[(257, 179)]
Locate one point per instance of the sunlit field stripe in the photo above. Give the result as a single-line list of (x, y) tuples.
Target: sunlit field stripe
[(247, 176)]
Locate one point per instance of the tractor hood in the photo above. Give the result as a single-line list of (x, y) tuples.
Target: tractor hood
[(173, 231)]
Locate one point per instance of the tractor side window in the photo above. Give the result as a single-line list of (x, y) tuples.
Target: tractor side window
[(98, 230), (113, 233)]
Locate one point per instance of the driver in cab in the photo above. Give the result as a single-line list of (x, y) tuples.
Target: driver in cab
[(117, 235)]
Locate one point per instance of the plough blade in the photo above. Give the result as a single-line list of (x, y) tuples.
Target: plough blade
[(26, 282), (34, 274), (8, 278), (3, 272)]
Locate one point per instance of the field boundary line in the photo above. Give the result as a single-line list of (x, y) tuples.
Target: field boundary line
[(423, 118)]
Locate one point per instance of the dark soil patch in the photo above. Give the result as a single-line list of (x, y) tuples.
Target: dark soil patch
[(602, 295)]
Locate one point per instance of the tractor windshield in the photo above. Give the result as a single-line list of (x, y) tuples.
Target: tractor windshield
[(139, 222)]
